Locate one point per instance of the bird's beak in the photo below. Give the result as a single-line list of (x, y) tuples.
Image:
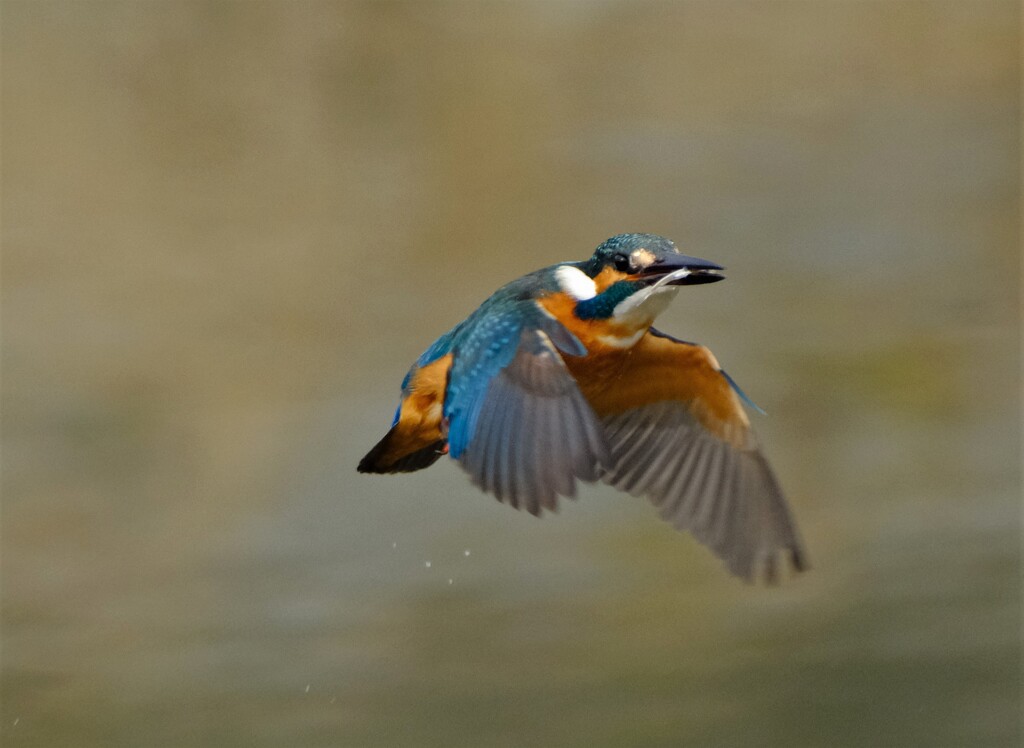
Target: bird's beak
[(680, 270)]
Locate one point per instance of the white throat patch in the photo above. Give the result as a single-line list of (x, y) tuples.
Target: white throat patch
[(647, 303), (575, 282)]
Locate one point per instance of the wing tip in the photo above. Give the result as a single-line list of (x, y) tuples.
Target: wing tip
[(768, 570), (743, 395)]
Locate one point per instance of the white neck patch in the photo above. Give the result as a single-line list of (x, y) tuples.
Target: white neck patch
[(647, 303), (575, 282)]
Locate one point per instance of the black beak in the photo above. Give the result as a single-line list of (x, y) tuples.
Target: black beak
[(690, 271)]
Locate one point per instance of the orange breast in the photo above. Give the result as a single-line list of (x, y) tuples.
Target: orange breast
[(595, 334), (615, 378)]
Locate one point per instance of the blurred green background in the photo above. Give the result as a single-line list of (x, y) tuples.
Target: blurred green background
[(229, 227)]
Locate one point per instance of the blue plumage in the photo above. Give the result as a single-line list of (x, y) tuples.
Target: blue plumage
[(603, 305), (485, 344)]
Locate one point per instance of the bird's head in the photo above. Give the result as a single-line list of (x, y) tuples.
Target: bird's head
[(650, 259), (627, 273)]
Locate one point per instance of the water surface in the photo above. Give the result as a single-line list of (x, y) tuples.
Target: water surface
[(228, 228)]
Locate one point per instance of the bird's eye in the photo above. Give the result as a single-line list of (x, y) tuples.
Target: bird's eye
[(621, 263)]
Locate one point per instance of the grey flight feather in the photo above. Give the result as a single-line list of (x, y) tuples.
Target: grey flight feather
[(726, 497), (536, 433)]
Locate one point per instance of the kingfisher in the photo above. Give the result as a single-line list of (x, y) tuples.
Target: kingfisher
[(559, 377)]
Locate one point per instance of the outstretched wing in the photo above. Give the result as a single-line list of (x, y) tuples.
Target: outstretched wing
[(678, 435), (518, 423)]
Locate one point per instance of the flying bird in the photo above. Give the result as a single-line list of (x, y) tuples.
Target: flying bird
[(559, 377)]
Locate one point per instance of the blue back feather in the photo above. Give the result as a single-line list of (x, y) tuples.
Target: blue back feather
[(487, 346), (484, 344)]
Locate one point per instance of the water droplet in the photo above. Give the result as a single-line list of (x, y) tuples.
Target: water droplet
[(450, 581), (307, 687), (465, 552), (427, 564)]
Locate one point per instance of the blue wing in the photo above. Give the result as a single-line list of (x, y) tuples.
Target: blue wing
[(518, 423), (486, 349), (485, 344)]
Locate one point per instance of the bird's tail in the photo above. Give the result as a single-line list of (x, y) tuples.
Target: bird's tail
[(392, 454)]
